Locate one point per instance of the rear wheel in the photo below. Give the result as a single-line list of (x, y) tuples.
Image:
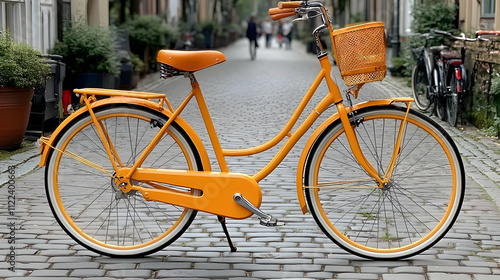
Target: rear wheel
[(87, 203), (404, 218)]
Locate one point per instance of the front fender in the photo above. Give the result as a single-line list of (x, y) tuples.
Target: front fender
[(321, 128), (45, 148)]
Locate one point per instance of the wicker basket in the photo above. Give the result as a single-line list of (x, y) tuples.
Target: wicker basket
[(360, 52)]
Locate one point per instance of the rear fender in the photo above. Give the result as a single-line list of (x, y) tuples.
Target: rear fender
[(320, 129), (45, 148)]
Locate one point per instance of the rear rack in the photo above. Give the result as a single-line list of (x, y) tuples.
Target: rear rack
[(92, 92)]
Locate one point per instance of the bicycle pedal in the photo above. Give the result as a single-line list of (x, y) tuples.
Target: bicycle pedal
[(268, 221)]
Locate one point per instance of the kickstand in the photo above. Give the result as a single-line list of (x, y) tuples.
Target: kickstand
[(222, 221)]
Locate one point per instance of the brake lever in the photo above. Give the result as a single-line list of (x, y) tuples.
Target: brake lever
[(303, 18), (306, 16)]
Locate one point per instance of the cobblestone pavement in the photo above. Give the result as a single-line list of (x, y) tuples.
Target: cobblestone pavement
[(250, 101)]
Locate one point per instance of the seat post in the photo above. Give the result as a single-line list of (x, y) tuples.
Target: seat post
[(192, 78)]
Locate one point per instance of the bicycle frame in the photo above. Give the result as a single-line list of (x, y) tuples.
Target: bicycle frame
[(221, 187)]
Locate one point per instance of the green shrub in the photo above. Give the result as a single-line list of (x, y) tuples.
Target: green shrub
[(137, 62), (485, 98), (495, 90), (493, 128), (20, 65), (398, 64), (148, 35), (148, 30), (433, 14), (88, 49)]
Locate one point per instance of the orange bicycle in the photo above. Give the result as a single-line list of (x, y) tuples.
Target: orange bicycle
[(126, 175)]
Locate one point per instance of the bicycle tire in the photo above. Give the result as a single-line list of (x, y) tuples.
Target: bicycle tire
[(93, 211), (401, 220), (440, 97), (440, 107), (420, 87), (452, 100)]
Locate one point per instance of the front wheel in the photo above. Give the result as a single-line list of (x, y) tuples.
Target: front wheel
[(89, 205), (440, 97), (404, 218)]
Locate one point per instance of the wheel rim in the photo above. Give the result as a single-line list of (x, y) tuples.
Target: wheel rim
[(102, 217), (352, 215)]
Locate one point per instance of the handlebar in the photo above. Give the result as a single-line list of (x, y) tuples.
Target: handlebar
[(427, 36), (308, 9), (448, 34), (479, 35)]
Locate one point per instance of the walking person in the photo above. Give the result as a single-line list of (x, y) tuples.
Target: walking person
[(280, 33), (287, 33), (267, 29), (252, 36)]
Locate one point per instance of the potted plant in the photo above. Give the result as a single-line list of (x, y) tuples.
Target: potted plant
[(21, 71), (208, 28), (89, 53)]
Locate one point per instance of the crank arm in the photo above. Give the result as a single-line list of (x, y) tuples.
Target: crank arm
[(265, 219)]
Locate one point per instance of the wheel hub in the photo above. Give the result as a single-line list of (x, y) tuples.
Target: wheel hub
[(386, 186), (119, 187)]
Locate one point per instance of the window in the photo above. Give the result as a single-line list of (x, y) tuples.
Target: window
[(488, 8)]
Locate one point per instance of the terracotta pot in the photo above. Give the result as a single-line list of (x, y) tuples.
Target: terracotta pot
[(15, 106)]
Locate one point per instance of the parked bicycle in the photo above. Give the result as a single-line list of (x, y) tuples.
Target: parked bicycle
[(439, 77), (125, 176)]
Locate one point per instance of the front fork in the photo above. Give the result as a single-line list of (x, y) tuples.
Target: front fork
[(348, 124)]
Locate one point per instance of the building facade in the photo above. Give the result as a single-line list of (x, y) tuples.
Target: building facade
[(30, 21), (476, 15), (39, 22)]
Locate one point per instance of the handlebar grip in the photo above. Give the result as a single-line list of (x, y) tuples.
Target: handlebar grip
[(275, 11), (441, 32), (283, 15), (487, 32), (292, 4)]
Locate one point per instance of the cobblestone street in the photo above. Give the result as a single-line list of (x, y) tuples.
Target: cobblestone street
[(250, 102)]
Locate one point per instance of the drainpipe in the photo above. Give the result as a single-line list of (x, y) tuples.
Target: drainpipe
[(395, 44)]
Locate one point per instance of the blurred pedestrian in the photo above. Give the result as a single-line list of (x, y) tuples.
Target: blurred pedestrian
[(267, 29), (280, 33), (287, 33), (252, 36)]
